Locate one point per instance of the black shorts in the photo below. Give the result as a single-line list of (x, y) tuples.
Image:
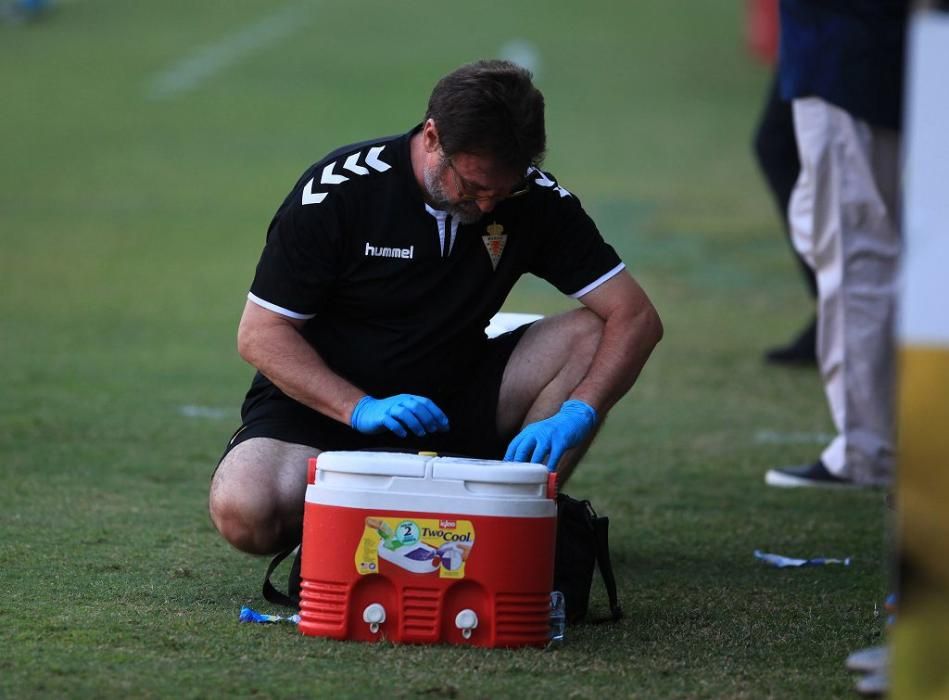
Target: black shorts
[(471, 411)]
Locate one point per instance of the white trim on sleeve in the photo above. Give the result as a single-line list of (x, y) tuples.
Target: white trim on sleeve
[(597, 282), (278, 309)]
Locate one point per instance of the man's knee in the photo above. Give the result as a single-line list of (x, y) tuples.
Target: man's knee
[(584, 330), (248, 521), (256, 515)]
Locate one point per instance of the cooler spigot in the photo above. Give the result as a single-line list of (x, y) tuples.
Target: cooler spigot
[(466, 621), (375, 615)]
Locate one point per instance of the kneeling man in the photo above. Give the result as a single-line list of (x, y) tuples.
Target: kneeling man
[(383, 266)]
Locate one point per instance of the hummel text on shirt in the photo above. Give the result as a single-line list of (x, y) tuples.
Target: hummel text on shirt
[(380, 252)]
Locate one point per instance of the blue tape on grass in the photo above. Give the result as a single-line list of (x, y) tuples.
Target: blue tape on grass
[(781, 562), (249, 615)]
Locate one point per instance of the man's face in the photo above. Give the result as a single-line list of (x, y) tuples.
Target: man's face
[(438, 182), (468, 186)]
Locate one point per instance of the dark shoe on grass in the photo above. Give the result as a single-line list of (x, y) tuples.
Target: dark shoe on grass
[(808, 476), (802, 351)]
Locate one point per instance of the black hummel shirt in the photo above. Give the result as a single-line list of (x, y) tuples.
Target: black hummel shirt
[(397, 295)]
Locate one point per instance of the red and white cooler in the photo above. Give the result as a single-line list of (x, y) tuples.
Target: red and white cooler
[(426, 549)]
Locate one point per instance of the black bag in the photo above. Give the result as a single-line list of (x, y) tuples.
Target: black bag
[(582, 546)]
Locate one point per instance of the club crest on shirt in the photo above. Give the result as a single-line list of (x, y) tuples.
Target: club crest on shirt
[(495, 240)]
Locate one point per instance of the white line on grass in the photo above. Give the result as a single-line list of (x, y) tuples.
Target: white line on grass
[(192, 411), (773, 437), (207, 61)]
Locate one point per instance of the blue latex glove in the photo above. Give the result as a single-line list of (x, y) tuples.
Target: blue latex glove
[(545, 441), (400, 414)]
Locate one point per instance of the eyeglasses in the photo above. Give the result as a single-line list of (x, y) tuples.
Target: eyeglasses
[(464, 187)]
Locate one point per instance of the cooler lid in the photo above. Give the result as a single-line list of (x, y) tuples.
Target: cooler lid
[(373, 463), (488, 471), (399, 481)]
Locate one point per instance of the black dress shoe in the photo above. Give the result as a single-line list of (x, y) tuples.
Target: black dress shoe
[(800, 351)]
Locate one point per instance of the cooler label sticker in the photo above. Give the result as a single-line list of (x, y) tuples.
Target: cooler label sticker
[(421, 546)]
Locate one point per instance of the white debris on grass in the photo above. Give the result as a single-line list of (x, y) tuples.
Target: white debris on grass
[(523, 53), (192, 411)]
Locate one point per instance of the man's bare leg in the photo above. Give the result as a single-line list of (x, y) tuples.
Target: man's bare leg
[(548, 363), (258, 492)]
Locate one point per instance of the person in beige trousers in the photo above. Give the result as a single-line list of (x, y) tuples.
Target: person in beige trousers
[(844, 215), (841, 66)]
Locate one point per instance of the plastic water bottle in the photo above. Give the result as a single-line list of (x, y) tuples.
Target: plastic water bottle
[(558, 617)]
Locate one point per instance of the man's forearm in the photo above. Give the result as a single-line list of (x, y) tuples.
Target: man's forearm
[(281, 354), (625, 345)]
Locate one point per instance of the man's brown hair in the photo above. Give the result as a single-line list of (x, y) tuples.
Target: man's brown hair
[(490, 108)]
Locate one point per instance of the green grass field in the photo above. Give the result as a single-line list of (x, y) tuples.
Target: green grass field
[(145, 147)]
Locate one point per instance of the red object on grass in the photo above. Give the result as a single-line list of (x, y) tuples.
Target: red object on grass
[(762, 29)]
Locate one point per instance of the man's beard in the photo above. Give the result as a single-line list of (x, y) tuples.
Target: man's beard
[(464, 212)]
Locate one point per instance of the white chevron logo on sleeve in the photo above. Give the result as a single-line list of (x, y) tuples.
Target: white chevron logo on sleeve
[(309, 197), (545, 181), (329, 176), (372, 160), (542, 179), (352, 167)]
